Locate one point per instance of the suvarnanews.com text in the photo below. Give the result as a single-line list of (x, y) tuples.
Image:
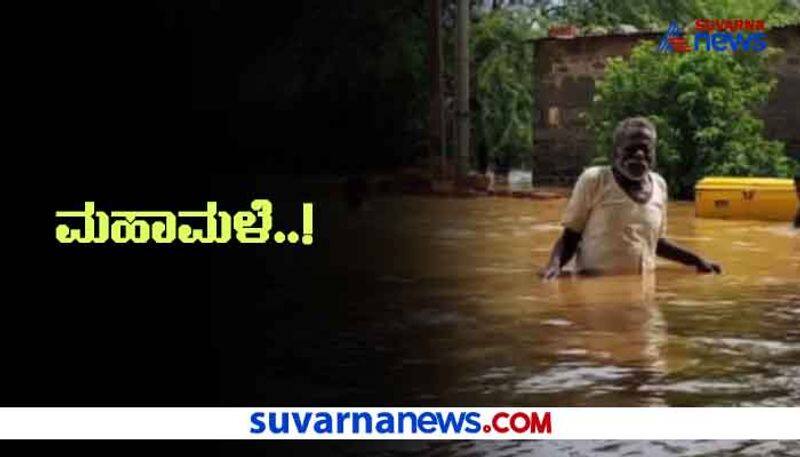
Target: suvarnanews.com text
[(365, 423)]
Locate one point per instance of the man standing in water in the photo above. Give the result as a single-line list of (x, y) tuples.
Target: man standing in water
[(616, 218)]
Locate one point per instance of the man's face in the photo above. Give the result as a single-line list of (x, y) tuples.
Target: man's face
[(635, 156)]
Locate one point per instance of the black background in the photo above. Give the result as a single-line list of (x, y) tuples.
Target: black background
[(133, 106)]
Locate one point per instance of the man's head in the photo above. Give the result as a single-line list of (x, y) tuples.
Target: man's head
[(634, 152)]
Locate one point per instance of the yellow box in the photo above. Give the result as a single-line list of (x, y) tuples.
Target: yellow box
[(770, 199)]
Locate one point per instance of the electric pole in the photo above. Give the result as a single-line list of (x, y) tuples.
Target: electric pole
[(436, 137), (462, 89)]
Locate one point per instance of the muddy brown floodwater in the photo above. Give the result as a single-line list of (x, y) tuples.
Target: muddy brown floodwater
[(457, 317)]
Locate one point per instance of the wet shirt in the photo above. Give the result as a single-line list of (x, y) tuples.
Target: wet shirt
[(619, 235)]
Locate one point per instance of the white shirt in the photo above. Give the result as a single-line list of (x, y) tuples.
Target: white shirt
[(619, 235)]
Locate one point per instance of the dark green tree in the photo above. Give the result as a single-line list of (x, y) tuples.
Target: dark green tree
[(503, 65)]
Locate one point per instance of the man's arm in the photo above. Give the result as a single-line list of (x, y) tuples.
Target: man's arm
[(668, 250), (576, 215), (564, 249)]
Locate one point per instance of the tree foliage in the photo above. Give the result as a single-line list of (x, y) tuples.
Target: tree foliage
[(503, 60), (367, 61), (702, 104)]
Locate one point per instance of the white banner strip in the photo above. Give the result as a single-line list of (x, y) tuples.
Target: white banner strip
[(401, 423)]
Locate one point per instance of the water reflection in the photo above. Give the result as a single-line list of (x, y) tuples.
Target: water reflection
[(622, 326)]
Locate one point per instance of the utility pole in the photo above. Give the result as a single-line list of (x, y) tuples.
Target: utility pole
[(436, 137), (462, 89)]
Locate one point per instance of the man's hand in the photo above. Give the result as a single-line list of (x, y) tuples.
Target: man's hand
[(707, 266), (550, 272), (563, 251), (670, 251)]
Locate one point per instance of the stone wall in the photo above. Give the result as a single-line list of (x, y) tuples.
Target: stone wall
[(564, 75)]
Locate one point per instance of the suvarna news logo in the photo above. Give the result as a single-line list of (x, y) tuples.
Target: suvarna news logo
[(717, 35)]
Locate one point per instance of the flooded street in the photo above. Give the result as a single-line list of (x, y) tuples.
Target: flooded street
[(493, 333), (448, 310)]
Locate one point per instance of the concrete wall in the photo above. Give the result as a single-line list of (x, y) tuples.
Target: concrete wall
[(564, 76)]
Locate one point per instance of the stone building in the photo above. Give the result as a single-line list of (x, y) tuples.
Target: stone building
[(565, 71)]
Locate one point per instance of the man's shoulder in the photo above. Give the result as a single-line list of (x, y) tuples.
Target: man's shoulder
[(595, 173), (659, 181), (592, 180)]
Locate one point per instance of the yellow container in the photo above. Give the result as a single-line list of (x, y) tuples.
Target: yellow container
[(769, 199)]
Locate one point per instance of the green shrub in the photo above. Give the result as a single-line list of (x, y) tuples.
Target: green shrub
[(701, 103), (503, 64)]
